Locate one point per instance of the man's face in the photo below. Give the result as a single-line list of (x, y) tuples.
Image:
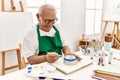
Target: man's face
[(47, 19)]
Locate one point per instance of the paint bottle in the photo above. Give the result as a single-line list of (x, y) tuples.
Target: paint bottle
[(107, 42), (29, 69), (110, 57)]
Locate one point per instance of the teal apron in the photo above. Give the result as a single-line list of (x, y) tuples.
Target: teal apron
[(48, 43)]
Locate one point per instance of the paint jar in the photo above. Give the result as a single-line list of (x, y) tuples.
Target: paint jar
[(29, 69), (107, 42)]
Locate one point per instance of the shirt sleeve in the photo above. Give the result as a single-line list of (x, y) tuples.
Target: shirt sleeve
[(62, 35), (30, 43)]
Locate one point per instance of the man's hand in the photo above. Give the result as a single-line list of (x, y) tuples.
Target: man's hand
[(51, 57)]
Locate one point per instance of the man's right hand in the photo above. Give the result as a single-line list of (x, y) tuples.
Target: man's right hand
[(51, 57)]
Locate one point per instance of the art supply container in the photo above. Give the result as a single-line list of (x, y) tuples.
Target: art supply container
[(107, 42)]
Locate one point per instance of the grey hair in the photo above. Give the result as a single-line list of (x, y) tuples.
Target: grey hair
[(48, 6)]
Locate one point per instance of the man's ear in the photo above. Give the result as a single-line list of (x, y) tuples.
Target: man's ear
[(38, 17)]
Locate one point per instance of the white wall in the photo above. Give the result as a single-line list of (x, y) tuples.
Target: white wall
[(73, 20)]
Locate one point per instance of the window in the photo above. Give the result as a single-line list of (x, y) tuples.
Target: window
[(33, 6), (93, 16)]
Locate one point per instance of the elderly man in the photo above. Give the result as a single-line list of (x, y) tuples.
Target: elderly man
[(45, 41)]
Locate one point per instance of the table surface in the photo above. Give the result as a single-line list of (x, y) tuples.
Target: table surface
[(84, 74)]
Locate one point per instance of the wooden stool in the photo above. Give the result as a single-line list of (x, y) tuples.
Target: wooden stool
[(20, 61)]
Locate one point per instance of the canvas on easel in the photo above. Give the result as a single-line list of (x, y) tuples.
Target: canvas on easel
[(12, 28)]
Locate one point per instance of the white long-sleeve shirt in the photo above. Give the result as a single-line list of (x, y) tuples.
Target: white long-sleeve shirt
[(30, 40)]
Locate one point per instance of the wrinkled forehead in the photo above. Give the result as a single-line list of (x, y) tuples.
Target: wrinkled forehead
[(49, 13)]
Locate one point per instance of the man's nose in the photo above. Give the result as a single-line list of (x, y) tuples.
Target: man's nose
[(50, 23)]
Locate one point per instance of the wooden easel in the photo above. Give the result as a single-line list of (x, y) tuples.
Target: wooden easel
[(13, 9), (116, 27)]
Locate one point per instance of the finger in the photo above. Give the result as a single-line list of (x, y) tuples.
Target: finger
[(78, 57)]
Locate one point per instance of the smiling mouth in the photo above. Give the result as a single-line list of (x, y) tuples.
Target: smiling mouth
[(48, 27)]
